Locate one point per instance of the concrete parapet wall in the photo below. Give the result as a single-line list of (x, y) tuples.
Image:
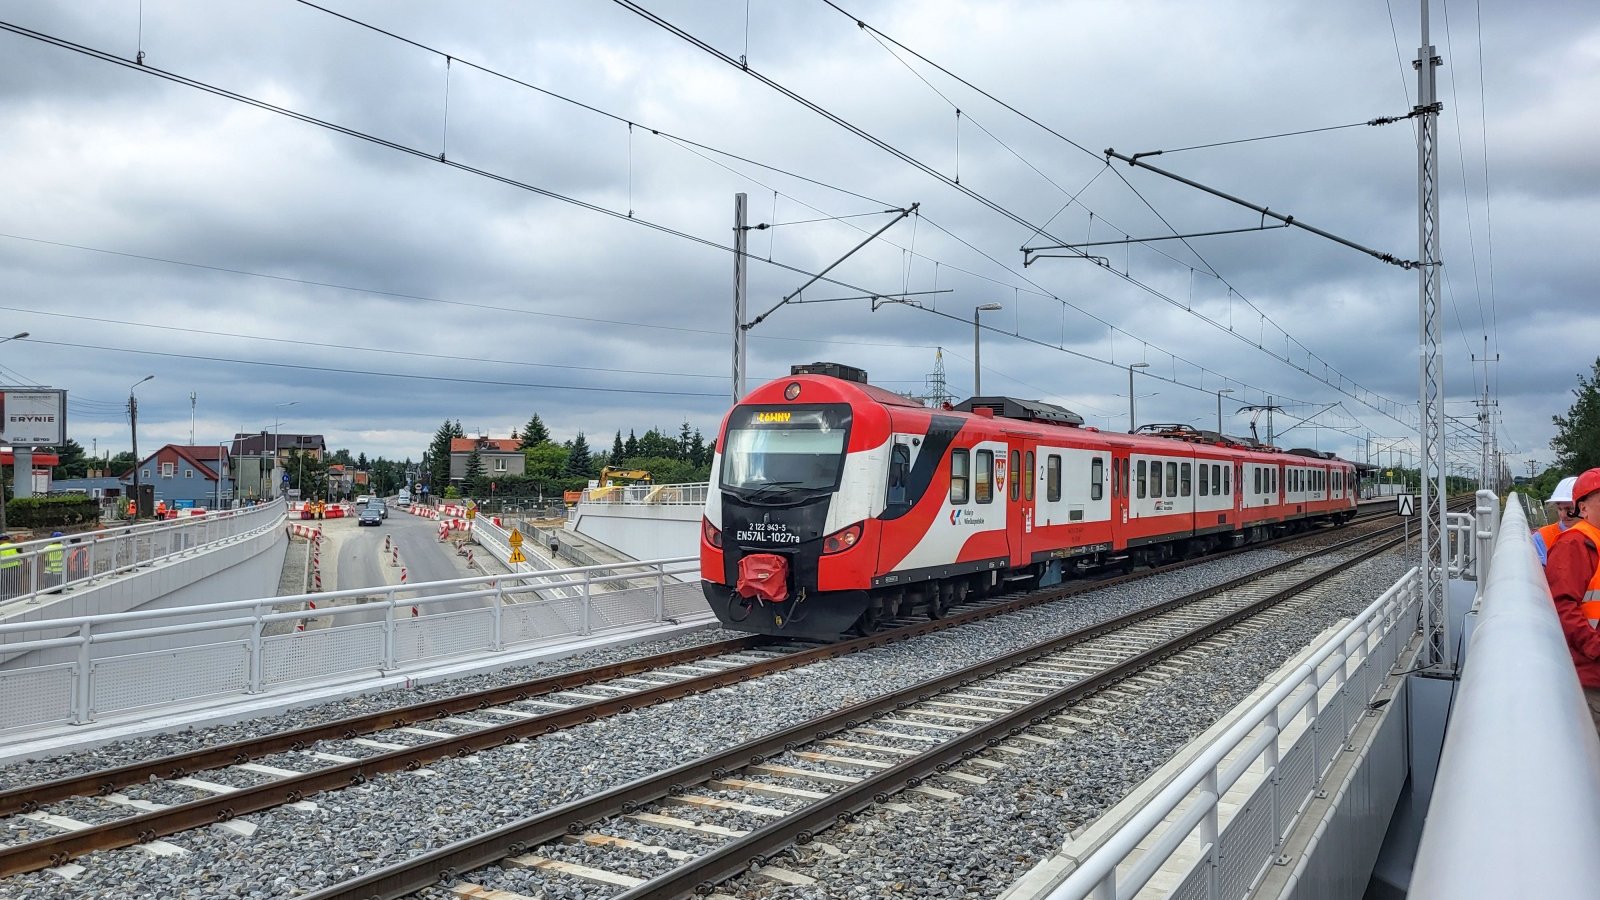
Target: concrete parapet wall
[(238, 569), (641, 531)]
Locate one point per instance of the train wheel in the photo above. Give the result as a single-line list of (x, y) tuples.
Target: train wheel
[(868, 623), (938, 600)]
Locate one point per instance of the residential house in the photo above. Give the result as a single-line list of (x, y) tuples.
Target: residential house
[(502, 457), (253, 459), (186, 476)]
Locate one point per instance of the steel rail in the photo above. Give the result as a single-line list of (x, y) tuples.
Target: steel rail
[(799, 827), (447, 862), (30, 798), (140, 828)]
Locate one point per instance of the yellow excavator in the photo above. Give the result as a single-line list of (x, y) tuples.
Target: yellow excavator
[(609, 485)]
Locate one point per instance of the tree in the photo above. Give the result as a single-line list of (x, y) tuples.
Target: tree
[(619, 451), (579, 465), (307, 474), (631, 447), (474, 466), (699, 452), (121, 463), (74, 463), (439, 454), (545, 465), (1577, 440), (361, 462), (656, 444), (685, 441), (341, 457), (534, 433)]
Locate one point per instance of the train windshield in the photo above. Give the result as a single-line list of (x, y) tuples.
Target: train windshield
[(777, 451)]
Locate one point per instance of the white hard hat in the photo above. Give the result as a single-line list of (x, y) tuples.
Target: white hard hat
[(1563, 491)]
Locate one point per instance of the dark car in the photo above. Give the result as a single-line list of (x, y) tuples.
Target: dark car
[(370, 516), (380, 506)]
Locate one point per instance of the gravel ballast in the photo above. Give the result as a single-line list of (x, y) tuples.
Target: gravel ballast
[(392, 817)]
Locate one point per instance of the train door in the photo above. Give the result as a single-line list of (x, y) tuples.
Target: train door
[(1119, 491), (1021, 485)]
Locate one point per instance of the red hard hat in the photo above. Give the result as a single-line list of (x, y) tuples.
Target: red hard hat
[(1587, 483)]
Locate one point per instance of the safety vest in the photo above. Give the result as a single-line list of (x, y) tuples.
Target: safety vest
[(1590, 604), (8, 557), (1549, 533), (54, 557)]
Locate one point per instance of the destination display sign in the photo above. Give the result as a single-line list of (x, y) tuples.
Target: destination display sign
[(33, 417)]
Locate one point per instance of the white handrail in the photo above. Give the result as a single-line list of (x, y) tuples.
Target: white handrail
[(1516, 804), (1204, 781), (51, 565)]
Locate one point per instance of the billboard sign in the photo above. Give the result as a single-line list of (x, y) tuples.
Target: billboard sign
[(33, 417)]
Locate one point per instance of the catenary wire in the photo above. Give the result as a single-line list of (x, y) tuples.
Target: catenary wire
[(691, 39)]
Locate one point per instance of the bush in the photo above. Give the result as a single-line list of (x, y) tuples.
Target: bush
[(51, 512)]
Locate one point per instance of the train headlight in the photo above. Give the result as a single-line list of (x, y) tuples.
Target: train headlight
[(792, 391), (711, 533), (841, 540)]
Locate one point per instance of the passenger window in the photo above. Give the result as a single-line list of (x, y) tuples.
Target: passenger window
[(1052, 478), (1259, 488), (983, 477), (1172, 479), (960, 465), (1016, 474), (1027, 473), (1141, 479), (1216, 480), (1188, 479), (1155, 479), (899, 471), (1227, 478), (1205, 482), (1097, 478)]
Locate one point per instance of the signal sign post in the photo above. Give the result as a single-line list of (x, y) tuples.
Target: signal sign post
[(516, 547), (1406, 506)]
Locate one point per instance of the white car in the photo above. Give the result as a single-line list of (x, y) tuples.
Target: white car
[(363, 500)]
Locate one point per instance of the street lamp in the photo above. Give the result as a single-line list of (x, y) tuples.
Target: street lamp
[(18, 336), (1219, 407), (277, 427), (133, 428), (977, 365), (1131, 426)]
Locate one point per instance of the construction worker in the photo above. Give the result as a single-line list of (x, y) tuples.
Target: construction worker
[(1573, 571), (10, 568), (55, 561), (1561, 499)]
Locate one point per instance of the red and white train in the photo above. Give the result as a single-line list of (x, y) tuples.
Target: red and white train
[(834, 504)]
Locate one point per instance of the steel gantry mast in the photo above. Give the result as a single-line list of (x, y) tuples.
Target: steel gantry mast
[(1430, 425)]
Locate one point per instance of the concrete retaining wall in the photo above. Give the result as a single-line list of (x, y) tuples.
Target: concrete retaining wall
[(641, 531)]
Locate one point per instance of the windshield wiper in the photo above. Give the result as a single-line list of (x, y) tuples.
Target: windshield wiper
[(770, 486)]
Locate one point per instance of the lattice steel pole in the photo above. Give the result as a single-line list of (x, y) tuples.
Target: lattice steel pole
[(1430, 426)]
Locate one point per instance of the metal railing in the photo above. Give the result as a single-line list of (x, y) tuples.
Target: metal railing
[(649, 494), (1515, 798), (82, 670), (1355, 662), (53, 565)]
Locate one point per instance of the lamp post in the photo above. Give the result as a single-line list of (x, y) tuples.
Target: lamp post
[(1131, 426), (1219, 407), (133, 428), (977, 363), (277, 429), (15, 337)]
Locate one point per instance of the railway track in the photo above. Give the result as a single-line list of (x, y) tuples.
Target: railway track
[(229, 781), (751, 802)]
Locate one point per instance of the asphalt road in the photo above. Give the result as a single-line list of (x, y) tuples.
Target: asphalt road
[(362, 562)]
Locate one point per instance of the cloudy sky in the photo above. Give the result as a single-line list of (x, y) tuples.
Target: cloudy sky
[(565, 262)]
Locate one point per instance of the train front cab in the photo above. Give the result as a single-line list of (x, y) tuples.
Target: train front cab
[(787, 539)]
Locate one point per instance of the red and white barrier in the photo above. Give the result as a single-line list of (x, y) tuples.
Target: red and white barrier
[(448, 525), (426, 512)]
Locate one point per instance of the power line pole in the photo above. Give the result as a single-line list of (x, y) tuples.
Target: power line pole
[(1430, 391), (739, 276)]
